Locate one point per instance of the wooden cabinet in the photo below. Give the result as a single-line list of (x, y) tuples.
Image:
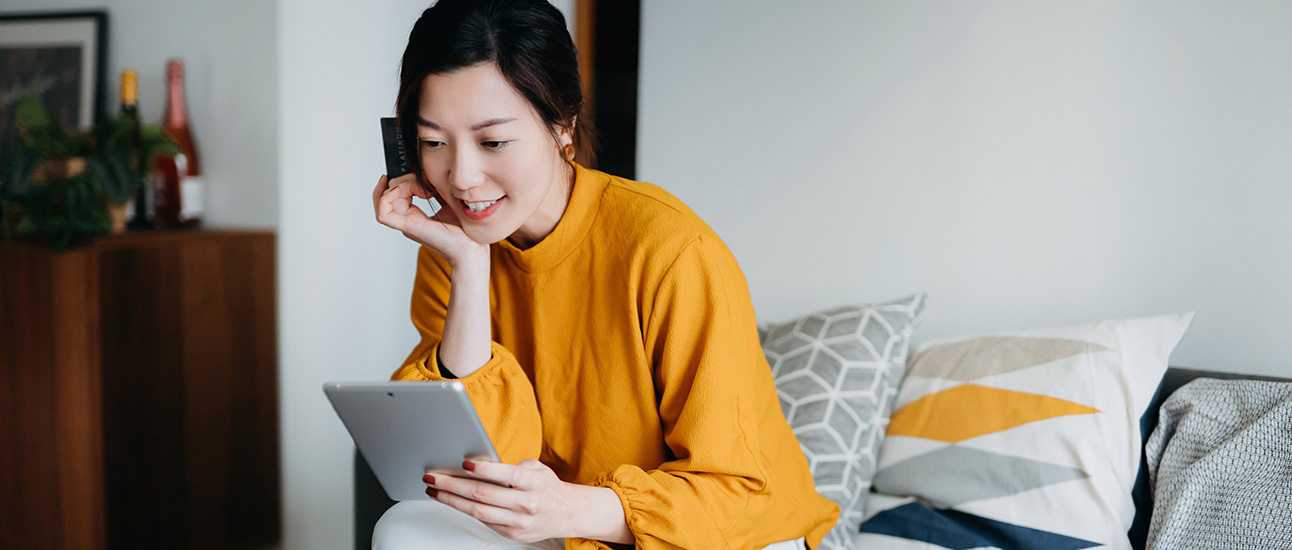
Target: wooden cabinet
[(138, 393)]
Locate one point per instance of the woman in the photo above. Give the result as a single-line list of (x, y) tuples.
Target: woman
[(603, 332)]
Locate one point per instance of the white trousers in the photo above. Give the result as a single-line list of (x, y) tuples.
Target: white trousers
[(433, 525)]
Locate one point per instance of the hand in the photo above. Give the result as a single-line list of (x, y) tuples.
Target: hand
[(527, 502), (393, 202)]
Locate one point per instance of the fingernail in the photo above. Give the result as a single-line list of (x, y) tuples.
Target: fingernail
[(432, 493), (428, 478), (468, 466)]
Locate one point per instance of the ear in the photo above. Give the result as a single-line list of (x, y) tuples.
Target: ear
[(565, 136)]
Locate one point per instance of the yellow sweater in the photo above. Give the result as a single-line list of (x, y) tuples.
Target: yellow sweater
[(625, 355)]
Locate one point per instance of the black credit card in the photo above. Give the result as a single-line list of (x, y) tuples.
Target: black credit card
[(396, 160)]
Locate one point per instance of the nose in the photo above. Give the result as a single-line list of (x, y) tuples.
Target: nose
[(466, 171)]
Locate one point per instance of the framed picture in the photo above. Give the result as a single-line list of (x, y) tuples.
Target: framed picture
[(57, 55)]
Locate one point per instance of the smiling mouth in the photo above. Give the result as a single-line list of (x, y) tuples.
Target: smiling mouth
[(479, 206), (479, 211)]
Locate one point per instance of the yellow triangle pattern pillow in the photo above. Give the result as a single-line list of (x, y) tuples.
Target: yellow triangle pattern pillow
[(1019, 440)]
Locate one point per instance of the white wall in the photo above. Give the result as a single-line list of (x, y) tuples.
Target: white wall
[(1027, 164), (230, 61), (567, 8), (344, 280)]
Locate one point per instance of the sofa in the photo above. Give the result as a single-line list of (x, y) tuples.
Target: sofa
[(886, 349)]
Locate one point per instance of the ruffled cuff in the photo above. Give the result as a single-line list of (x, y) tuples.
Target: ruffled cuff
[(428, 368), (627, 496), (586, 544)]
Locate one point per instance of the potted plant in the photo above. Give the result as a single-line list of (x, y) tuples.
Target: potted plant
[(63, 186)]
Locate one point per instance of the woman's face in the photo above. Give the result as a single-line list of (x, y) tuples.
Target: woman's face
[(490, 157)]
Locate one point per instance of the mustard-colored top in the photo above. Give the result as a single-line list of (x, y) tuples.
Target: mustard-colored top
[(626, 356)]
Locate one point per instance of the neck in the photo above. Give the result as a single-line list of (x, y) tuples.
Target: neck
[(176, 112), (550, 211)]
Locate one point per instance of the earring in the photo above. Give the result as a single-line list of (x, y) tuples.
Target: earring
[(568, 151)]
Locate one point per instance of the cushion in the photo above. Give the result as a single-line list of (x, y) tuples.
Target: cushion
[(1020, 440), (837, 373), (1220, 461)]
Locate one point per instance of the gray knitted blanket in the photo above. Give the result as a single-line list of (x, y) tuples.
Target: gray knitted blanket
[(1220, 464)]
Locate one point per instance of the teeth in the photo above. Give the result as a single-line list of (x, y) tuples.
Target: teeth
[(478, 206)]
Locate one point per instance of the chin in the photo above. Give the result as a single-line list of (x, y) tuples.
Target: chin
[(489, 234)]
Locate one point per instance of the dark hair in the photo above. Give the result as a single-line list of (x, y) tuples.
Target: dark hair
[(528, 41)]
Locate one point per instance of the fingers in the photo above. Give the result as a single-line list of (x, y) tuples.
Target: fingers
[(477, 509), (518, 476), (401, 200), (482, 492), (413, 185), (408, 186), (395, 208), (533, 464), (384, 197), (378, 191)]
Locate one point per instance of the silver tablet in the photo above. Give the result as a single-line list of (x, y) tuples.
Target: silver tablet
[(404, 429)]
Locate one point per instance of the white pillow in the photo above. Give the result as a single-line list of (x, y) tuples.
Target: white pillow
[(1020, 440)]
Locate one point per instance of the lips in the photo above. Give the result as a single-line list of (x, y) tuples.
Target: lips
[(477, 211)]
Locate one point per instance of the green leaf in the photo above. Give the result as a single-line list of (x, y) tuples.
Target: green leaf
[(18, 171), (124, 180), (97, 171), (27, 225), (33, 116), (154, 142), (118, 134), (118, 151)]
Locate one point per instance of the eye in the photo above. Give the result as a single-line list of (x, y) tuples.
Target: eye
[(429, 144), (495, 144)]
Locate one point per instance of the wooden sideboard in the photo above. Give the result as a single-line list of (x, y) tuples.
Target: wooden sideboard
[(138, 392)]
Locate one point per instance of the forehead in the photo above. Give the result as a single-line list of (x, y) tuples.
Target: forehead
[(466, 96)]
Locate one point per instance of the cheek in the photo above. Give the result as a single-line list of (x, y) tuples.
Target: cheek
[(429, 166), (527, 175), (433, 175), (430, 190)]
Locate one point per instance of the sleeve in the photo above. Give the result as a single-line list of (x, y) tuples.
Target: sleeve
[(709, 365), (500, 392)]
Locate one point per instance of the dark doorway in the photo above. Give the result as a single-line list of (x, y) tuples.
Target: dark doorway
[(615, 37)]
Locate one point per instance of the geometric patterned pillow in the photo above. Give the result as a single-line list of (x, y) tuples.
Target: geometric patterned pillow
[(1021, 440), (837, 373)]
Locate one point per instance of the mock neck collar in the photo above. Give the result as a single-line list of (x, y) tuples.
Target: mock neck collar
[(580, 212)]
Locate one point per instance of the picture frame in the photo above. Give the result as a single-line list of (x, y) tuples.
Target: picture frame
[(62, 57)]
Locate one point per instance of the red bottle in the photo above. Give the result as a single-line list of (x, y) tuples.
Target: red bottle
[(179, 182)]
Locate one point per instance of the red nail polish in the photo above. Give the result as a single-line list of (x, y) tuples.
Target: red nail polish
[(428, 478), (432, 493), (468, 466)]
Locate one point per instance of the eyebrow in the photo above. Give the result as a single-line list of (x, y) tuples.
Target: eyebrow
[(478, 126)]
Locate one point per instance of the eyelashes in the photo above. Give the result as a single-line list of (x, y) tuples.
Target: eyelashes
[(490, 144)]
